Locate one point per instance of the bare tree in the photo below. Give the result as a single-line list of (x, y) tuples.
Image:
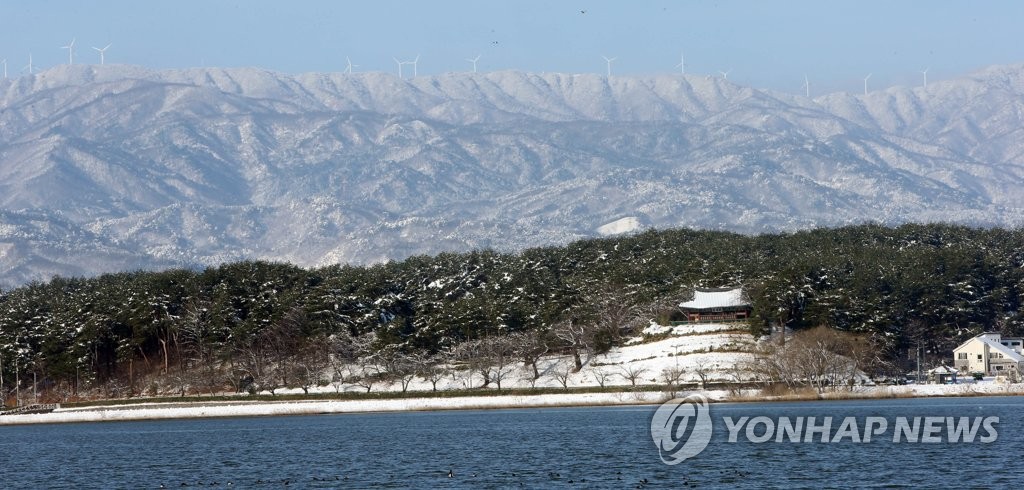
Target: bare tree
[(342, 358), (179, 379), (738, 373), (370, 372), (530, 347), (435, 368), (370, 365), (562, 373), (672, 376), (257, 369), (632, 373), (501, 351), (399, 366), (532, 380), (601, 376), (342, 375), (577, 337), (702, 369), (312, 360), (771, 366), (616, 311), (475, 356)]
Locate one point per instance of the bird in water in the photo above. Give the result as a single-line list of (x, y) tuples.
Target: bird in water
[(451, 474)]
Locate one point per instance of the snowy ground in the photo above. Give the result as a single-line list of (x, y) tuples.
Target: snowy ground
[(713, 348)]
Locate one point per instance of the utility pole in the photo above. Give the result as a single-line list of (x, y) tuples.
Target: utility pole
[(919, 362), (17, 383)]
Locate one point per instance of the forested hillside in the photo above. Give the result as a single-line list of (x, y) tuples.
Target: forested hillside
[(936, 284)]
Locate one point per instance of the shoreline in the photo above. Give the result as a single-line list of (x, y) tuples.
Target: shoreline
[(244, 408)]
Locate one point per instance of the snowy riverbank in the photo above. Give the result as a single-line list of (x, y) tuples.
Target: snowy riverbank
[(248, 409), (155, 411)]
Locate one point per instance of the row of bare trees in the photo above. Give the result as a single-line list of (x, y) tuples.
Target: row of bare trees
[(201, 356), (477, 363), (821, 357)]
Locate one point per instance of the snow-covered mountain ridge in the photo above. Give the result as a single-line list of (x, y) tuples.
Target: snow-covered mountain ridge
[(106, 168)]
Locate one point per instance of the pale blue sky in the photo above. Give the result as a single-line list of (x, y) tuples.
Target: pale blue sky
[(766, 44)]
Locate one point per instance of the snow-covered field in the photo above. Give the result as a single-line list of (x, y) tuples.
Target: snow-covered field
[(711, 348)]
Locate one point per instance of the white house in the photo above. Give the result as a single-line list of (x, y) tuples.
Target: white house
[(990, 353)]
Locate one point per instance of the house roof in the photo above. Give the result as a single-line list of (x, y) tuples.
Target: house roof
[(706, 298), (993, 345), (943, 370)]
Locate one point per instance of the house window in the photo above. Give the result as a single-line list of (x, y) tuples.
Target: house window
[(962, 355), (999, 368), (979, 357)]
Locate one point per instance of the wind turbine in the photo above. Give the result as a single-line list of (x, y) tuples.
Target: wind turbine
[(474, 60), (29, 67), (609, 62), (925, 73), (102, 51), (866, 83), (399, 63), (349, 66), (725, 74), (414, 64), (682, 64), (807, 86), (71, 51)]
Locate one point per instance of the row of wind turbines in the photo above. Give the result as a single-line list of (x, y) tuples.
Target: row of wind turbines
[(71, 52), (608, 70), (71, 57), (415, 62)]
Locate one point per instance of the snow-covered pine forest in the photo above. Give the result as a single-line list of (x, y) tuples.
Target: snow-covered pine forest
[(259, 325)]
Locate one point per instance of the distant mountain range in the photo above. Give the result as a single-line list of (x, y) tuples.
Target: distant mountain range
[(107, 168)]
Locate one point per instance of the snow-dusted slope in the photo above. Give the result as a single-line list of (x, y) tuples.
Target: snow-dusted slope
[(115, 167)]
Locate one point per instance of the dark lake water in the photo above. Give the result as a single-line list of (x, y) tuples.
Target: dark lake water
[(549, 448)]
